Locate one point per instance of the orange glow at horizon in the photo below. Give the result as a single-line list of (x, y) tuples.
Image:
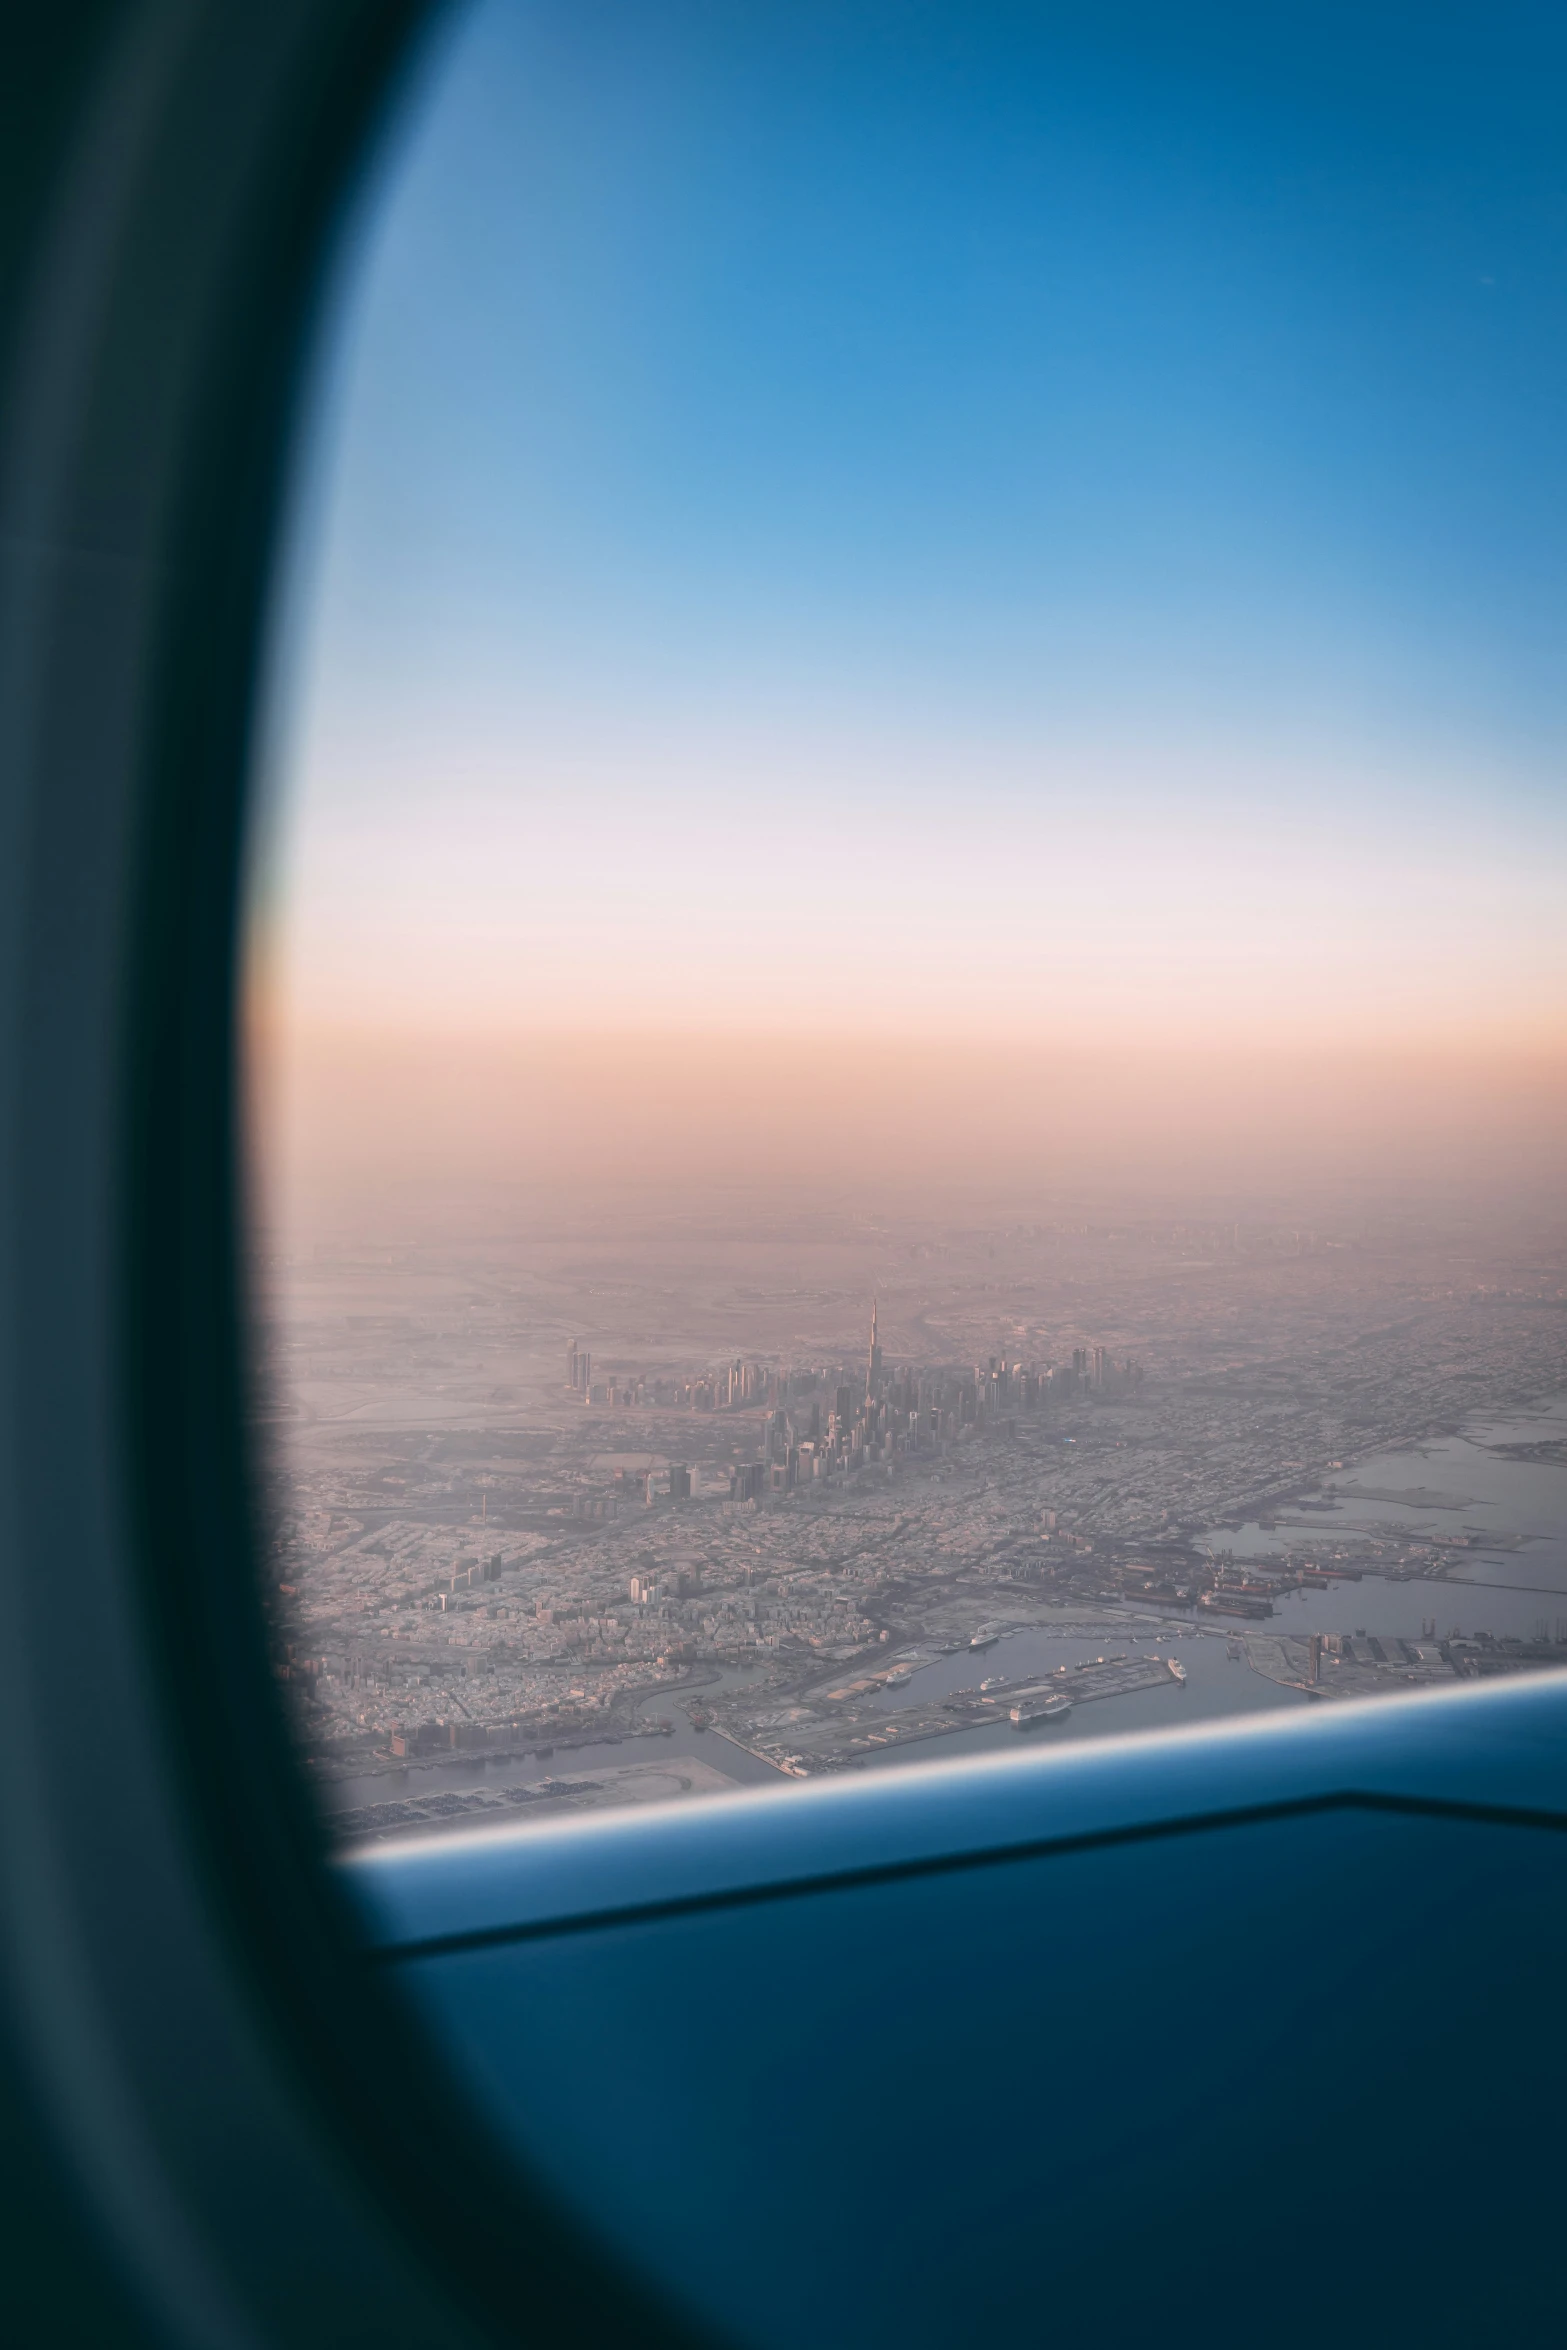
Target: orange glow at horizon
[(347, 1116)]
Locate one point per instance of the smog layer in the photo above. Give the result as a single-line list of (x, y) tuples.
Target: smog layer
[(547, 1471)]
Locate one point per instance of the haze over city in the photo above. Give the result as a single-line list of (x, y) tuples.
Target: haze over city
[(919, 662)]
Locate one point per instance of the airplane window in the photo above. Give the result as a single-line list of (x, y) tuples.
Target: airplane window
[(906, 965)]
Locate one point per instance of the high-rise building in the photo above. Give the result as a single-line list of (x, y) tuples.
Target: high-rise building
[(873, 1360)]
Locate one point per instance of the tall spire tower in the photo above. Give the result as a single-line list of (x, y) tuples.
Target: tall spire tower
[(873, 1362)]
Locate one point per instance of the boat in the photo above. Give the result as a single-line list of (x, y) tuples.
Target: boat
[(996, 1681), (1049, 1708), (1176, 1672)]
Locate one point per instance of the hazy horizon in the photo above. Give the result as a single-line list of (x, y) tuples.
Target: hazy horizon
[(358, 1126)]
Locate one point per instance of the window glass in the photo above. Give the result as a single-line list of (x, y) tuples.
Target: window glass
[(907, 959)]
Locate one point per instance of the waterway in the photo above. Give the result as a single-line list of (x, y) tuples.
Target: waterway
[(1511, 1580), (1215, 1685)]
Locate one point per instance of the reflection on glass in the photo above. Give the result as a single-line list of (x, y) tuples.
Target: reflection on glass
[(907, 970)]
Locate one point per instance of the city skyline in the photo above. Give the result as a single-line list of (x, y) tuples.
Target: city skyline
[(545, 1486)]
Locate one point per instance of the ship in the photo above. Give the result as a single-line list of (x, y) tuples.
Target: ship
[(996, 1681), (1049, 1708), (985, 1638)]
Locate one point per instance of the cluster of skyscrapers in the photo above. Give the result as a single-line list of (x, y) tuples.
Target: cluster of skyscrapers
[(822, 1421), (963, 1396), (729, 1388)]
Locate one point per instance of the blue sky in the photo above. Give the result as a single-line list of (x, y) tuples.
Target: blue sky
[(1083, 484)]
